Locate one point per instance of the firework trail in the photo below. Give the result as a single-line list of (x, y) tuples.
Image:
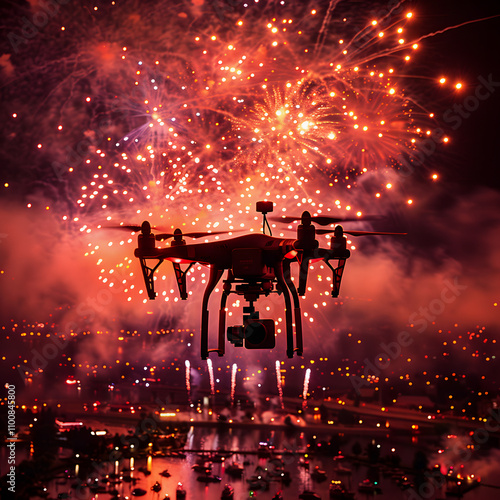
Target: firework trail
[(234, 370), (278, 381), (188, 379), (211, 376), (306, 388)]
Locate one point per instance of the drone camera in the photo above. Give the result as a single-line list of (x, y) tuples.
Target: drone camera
[(255, 334), (259, 334), (264, 207)]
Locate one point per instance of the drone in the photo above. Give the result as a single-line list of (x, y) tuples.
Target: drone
[(256, 265)]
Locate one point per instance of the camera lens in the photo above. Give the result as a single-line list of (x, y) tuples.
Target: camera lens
[(255, 333)]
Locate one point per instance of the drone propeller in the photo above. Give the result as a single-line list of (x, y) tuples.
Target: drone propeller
[(360, 233), (145, 228), (194, 234), (325, 220), (129, 227)]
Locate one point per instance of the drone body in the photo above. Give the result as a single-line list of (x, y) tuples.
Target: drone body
[(256, 264)]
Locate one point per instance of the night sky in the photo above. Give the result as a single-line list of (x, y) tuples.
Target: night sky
[(70, 101)]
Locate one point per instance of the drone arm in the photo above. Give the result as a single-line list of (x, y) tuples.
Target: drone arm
[(215, 276), (148, 273), (180, 276)]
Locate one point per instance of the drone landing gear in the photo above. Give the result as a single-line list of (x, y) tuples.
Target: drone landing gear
[(296, 313), (180, 276), (337, 276), (214, 278), (148, 273), (286, 284), (222, 312), (255, 333)]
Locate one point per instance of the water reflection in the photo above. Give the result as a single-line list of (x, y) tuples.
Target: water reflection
[(146, 472)]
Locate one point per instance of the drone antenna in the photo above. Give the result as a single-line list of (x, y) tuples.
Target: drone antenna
[(264, 224), (265, 207)]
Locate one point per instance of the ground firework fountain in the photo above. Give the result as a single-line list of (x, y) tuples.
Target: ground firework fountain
[(306, 388), (278, 381), (211, 376), (234, 370), (188, 380)]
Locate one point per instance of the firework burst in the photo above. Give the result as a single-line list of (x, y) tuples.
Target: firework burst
[(192, 113)]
